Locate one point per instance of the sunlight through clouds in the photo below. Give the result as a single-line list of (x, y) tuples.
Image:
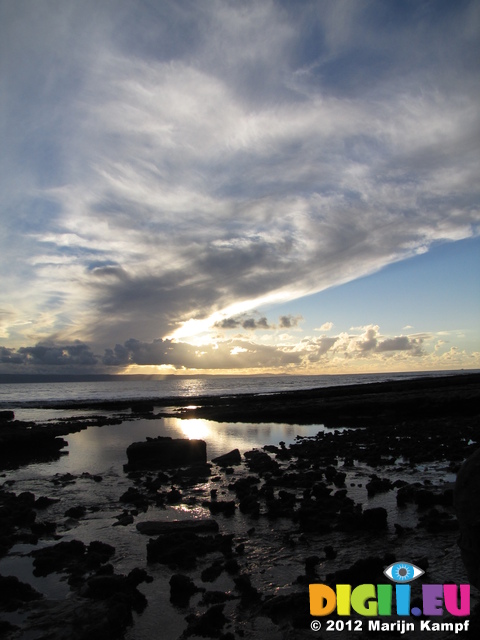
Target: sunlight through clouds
[(172, 168)]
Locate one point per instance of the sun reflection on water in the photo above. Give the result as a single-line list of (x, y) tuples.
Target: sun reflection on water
[(195, 429)]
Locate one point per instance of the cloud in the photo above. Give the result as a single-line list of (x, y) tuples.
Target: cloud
[(368, 349), (229, 354), (401, 343), (326, 326), (245, 323), (163, 162), (288, 322), (76, 355)]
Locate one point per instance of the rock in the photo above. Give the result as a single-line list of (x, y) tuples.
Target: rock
[(133, 496), (181, 549), (248, 593), (166, 452), (123, 520), (182, 588), (210, 574), (13, 593), (310, 564), (467, 507), (216, 597), (104, 587), (291, 607), (228, 459), (155, 528), (78, 618), (378, 485), (260, 462), (227, 507), (374, 519), (72, 556), (208, 625), (43, 502), (330, 552), (174, 496), (6, 416), (76, 512), (364, 571)]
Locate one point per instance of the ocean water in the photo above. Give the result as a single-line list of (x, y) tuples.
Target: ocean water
[(14, 395)]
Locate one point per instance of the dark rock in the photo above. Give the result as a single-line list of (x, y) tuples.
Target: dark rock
[(43, 502), (76, 512), (166, 452), (374, 519), (208, 625), (210, 574), (364, 571), (261, 463), (118, 588), (330, 552), (216, 597), (436, 521), (133, 496), (72, 556), (142, 407), (232, 566), (181, 549), (227, 507), (46, 528), (228, 459), (153, 528), (292, 607), (174, 496), (197, 472), (378, 485), (182, 588), (13, 593), (248, 593), (310, 564), (6, 416), (467, 507)]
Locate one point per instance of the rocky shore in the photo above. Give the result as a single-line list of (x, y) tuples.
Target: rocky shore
[(233, 543)]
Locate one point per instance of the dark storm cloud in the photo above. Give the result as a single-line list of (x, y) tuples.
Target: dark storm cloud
[(401, 343), (287, 322), (230, 354), (10, 356), (50, 354), (245, 323), (165, 161)]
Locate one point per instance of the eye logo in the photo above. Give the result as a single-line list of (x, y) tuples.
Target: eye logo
[(403, 572)]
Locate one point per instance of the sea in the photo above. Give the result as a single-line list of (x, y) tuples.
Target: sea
[(46, 390)]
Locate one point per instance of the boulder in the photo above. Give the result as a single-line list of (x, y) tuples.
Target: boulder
[(156, 528), (166, 452), (228, 459)]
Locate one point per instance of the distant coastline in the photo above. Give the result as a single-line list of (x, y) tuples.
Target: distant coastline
[(38, 378)]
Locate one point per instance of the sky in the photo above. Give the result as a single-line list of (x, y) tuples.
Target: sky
[(210, 186)]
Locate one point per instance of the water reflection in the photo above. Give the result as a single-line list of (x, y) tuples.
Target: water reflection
[(99, 449), (195, 429)]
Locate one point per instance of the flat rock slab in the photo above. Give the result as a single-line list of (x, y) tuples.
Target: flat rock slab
[(157, 528), (161, 452)]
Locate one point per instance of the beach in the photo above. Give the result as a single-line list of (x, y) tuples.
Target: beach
[(356, 478)]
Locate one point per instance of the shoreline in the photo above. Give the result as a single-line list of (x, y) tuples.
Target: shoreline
[(333, 508), (436, 393)]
